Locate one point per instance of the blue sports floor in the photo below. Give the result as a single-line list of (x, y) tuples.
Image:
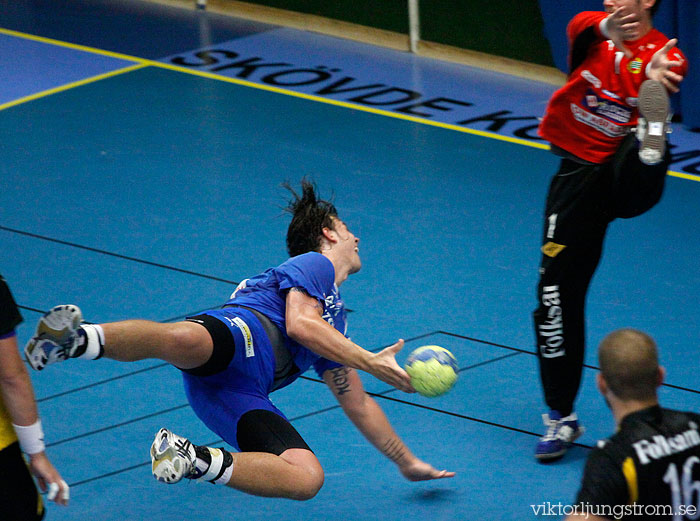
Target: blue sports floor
[(141, 158)]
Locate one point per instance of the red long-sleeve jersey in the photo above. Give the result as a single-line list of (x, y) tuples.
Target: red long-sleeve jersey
[(589, 116)]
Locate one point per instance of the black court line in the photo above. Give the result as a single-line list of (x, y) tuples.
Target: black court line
[(125, 257), (412, 339), (177, 407), (159, 365), (101, 382), (146, 369), (117, 255), (116, 425), (173, 319), (382, 395), (671, 386), (517, 350), (214, 442), (27, 308)]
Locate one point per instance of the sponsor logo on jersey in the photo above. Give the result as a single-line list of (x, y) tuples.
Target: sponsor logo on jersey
[(613, 111), (635, 66), (603, 125), (333, 306), (607, 108), (662, 446)]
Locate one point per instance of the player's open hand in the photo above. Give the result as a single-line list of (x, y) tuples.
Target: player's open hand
[(383, 365), (418, 470), (623, 25), (49, 479), (660, 67)]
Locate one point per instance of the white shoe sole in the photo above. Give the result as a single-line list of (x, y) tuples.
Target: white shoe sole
[(168, 463), (654, 107)]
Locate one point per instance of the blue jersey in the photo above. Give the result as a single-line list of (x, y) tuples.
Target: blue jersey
[(267, 294), (222, 399)]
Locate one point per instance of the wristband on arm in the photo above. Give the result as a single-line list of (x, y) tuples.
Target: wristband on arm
[(31, 437)]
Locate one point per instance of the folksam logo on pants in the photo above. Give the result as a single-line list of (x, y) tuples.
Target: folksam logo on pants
[(551, 332)]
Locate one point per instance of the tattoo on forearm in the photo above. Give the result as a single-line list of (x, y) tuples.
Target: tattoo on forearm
[(340, 380), (394, 449)]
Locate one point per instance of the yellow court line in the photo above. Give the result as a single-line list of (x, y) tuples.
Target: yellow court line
[(345, 104), (683, 175), (70, 86), (74, 46), (141, 62), (245, 83), (423, 121)]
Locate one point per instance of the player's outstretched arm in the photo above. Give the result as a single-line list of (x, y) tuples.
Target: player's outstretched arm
[(18, 396), (305, 325), (371, 421)]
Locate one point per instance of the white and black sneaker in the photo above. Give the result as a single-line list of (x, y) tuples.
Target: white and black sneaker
[(56, 337), (653, 121), (172, 457)]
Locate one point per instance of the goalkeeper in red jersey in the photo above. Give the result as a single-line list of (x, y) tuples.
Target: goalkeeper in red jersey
[(609, 125)]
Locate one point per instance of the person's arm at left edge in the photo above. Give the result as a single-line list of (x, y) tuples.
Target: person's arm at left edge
[(371, 421), (18, 396)]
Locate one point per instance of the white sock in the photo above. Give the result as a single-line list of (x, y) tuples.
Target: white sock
[(215, 465), (94, 341), (225, 476)]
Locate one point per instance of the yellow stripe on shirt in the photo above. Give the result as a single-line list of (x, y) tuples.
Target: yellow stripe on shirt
[(630, 473)]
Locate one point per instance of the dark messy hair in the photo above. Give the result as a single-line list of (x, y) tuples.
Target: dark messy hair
[(310, 215)]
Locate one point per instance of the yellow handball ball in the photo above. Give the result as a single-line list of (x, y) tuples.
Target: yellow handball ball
[(433, 370)]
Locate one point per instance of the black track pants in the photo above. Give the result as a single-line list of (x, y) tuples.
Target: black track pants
[(582, 201)]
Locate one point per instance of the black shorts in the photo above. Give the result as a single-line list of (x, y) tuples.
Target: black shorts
[(19, 498), (230, 393), (9, 314)]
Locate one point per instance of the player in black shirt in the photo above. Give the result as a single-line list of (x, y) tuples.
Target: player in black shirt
[(650, 468)]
